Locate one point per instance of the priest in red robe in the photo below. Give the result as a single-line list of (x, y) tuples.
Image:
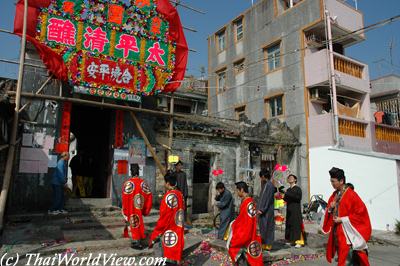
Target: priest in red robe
[(244, 244), (136, 203), (347, 223), (169, 228)]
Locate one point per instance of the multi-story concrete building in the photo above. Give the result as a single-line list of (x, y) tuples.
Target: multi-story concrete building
[(275, 60)]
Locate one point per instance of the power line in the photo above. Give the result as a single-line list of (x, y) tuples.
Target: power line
[(323, 43)]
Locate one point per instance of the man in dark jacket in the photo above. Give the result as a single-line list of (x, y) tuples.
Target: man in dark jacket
[(182, 185), (225, 204), (265, 210), (58, 182)]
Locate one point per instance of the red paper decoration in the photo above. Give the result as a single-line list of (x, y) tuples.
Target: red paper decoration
[(63, 143), (119, 128), (122, 167)]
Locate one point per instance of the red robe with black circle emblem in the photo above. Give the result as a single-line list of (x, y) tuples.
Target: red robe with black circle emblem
[(170, 225), (136, 203), (352, 233), (243, 237)]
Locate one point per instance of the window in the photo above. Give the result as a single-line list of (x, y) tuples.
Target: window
[(275, 106), (290, 3), (238, 66), (273, 55), (239, 29), (240, 112), (179, 108), (221, 81), (221, 41)]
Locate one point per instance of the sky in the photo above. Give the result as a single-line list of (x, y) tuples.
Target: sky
[(374, 51)]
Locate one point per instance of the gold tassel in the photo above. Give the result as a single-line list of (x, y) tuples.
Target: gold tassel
[(79, 36), (142, 50), (43, 28), (112, 42)]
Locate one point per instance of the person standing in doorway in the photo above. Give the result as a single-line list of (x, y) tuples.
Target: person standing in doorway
[(137, 200), (347, 223), (294, 219), (225, 204), (76, 165), (169, 228), (58, 182), (265, 210), (182, 185), (244, 244)]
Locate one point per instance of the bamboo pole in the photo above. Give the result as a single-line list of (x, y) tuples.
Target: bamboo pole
[(98, 104), (171, 127), (13, 137), (146, 141)]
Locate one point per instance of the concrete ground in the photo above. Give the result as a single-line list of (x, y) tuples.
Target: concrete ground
[(380, 255), (96, 228)]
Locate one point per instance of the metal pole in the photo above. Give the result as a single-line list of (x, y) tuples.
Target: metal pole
[(333, 80), (11, 150), (171, 126)]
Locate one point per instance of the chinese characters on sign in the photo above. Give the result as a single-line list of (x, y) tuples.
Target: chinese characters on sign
[(109, 73), (109, 46)]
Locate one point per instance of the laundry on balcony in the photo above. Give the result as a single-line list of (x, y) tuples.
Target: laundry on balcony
[(353, 111)]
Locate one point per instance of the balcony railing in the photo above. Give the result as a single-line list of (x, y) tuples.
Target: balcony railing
[(348, 67), (387, 133), (352, 128)]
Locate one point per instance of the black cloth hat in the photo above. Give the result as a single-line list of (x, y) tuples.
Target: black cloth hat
[(337, 173), (179, 162)]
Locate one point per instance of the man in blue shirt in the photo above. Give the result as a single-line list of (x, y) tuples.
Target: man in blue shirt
[(58, 182)]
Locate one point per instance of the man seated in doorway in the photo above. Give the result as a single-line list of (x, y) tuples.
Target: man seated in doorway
[(225, 204), (137, 200), (76, 165), (182, 185)]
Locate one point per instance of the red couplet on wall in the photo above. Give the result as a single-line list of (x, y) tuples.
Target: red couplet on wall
[(119, 128), (63, 140)]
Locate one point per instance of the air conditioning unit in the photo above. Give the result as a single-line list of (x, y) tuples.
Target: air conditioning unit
[(162, 102), (314, 94)]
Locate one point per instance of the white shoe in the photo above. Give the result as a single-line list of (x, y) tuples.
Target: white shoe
[(298, 246), (54, 212), (63, 211)]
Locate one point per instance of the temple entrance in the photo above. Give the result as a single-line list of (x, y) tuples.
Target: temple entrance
[(91, 129)]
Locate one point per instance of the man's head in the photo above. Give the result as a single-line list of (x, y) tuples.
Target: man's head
[(338, 179), (242, 189), (220, 187), (292, 179), (265, 174), (179, 166), (65, 156), (170, 180), (134, 169)]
